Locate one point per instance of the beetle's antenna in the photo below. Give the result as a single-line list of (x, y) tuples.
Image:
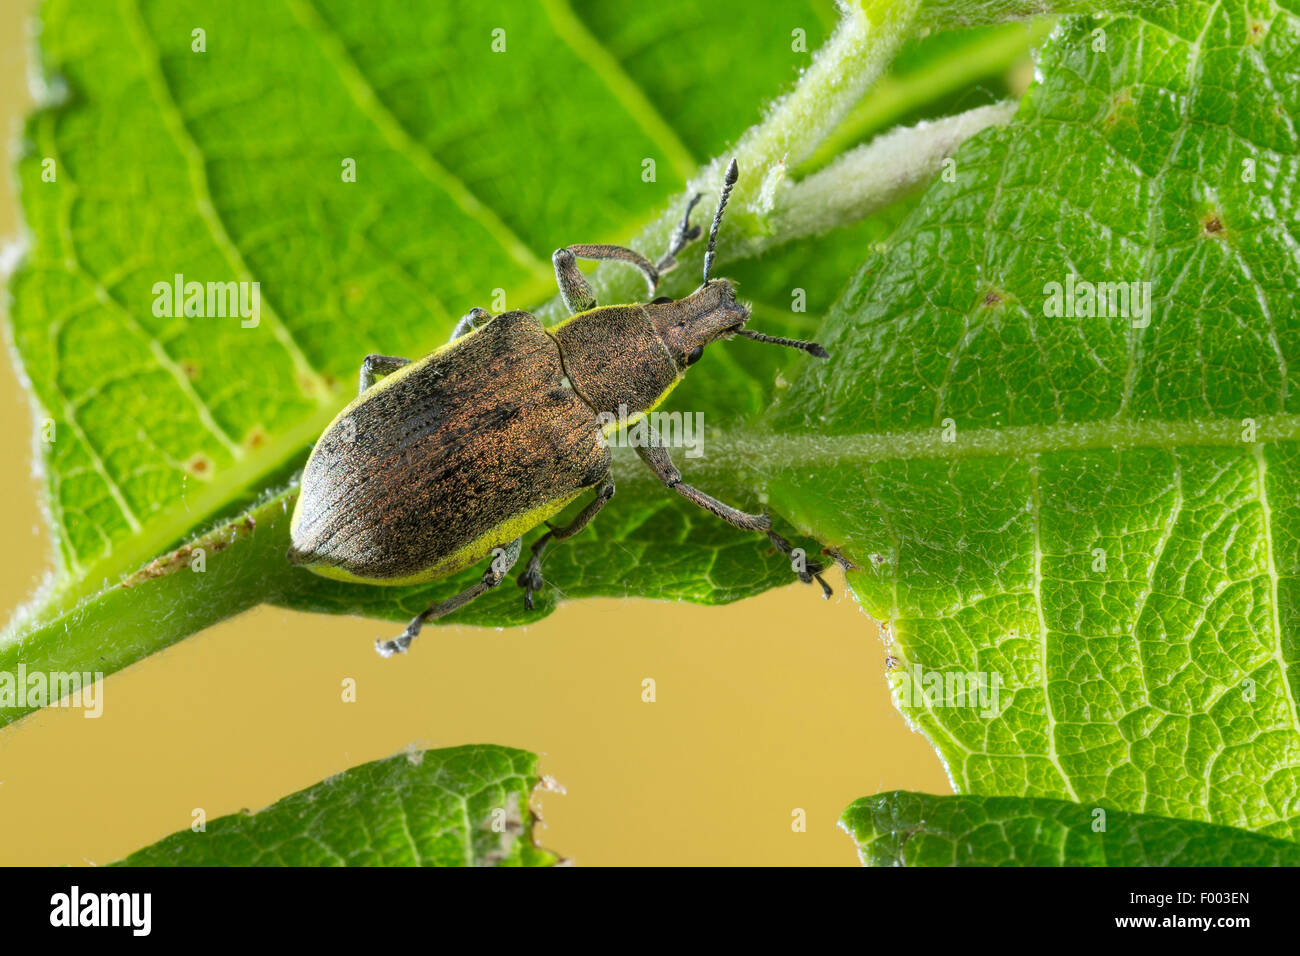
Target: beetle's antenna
[(733, 172), (812, 348)]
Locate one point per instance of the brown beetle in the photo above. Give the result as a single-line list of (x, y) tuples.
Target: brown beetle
[(413, 481)]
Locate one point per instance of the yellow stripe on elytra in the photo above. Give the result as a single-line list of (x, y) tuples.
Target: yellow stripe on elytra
[(499, 536)]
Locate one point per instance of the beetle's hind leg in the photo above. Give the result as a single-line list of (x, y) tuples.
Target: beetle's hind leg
[(531, 579), (374, 367), (503, 559), (654, 454)]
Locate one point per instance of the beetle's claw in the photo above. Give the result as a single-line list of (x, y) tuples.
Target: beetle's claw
[(397, 645)]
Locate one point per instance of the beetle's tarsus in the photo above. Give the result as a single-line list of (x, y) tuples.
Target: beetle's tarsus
[(683, 236), (531, 580), (812, 570), (496, 573), (839, 559), (397, 645)]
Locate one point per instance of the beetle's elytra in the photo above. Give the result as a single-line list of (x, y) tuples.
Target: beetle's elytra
[(447, 459)]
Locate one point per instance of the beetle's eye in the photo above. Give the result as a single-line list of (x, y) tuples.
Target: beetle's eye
[(661, 300), (694, 354)]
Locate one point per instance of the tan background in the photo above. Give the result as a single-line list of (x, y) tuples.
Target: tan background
[(765, 706)]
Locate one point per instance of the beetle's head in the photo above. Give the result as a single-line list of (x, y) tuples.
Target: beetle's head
[(687, 325), (711, 312)]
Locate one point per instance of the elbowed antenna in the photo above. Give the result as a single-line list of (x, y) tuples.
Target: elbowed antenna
[(733, 172), (812, 348)]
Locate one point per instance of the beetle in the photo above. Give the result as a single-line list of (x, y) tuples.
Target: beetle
[(441, 462)]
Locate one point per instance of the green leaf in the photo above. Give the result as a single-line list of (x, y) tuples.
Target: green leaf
[(166, 435), (918, 829), (216, 171), (464, 806), (1100, 513)]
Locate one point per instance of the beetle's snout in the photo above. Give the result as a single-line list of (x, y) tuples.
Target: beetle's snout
[(687, 325)]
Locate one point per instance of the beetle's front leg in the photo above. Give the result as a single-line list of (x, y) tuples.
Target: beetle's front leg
[(531, 579), (575, 290), (503, 559), (374, 367), (654, 454), (683, 236)]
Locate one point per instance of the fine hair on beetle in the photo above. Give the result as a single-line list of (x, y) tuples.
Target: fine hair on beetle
[(451, 459)]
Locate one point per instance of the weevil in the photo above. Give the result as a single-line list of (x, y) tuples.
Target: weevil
[(441, 462)]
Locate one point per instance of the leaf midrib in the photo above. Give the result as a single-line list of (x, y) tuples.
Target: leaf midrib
[(1021, 441), (762, 451)]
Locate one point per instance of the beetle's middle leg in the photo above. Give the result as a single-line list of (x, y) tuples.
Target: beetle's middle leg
[(503, 559), (531, 579), (654, 454), (374, 367)]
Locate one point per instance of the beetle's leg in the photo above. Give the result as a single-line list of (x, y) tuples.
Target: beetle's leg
[(377, 366), (503, 559), (574, 287), (471, 321), (806, 570), (656, 456), (682, 237), (531, 579), (575, 290)]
